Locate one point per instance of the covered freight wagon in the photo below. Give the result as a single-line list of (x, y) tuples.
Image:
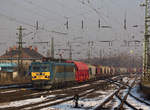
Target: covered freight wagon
[(82, 71), (99, 71), (92, 71)]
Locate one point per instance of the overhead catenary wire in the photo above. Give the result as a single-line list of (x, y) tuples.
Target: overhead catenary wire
[(43, 8), (89, 7)]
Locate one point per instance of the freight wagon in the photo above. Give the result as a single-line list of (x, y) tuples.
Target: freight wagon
[(49, 74)]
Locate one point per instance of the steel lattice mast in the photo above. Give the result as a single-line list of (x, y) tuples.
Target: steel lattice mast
[(146, 64)]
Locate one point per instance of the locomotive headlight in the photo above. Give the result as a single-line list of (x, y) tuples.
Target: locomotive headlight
[(34, 76), (46, 76)]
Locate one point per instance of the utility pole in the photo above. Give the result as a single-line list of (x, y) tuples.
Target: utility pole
[(100, 54), (89, 56), (146, 64), (20, 29), (125, 22), (90, 44), (70, 52), (52, 47), (82, 26), (99, 24)]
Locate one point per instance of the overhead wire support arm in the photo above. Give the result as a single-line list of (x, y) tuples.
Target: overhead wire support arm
[(108, 41)]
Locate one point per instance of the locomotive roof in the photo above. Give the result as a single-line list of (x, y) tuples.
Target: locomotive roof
[(52, 62)]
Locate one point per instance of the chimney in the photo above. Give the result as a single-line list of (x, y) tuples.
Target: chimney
[(10, 49), (30, 47), (14, 47), (6, 51), (35, 49)]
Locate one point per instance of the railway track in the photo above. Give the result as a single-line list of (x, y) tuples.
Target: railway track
[(24, 94), (109, 98), (68, 95), (122, 96), (20, 93), (130, 94), (124, 99), (12, 86)]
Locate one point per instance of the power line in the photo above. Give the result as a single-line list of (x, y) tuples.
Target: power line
[(16, 20), (94, 9), (43, 8)]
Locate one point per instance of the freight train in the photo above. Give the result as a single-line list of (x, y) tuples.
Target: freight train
[(46, 75)]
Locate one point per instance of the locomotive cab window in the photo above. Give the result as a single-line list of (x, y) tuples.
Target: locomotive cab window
[(45, 67), (35, 68)]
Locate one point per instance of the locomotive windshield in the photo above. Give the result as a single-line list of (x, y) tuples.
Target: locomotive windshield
[(42, 67), (45, 67), (35, 67)]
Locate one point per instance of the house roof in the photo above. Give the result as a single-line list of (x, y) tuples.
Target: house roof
[(27, 53)]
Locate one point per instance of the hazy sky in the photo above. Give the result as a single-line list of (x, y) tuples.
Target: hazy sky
[(53, 14)]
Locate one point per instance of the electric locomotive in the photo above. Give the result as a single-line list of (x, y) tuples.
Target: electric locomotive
[(47, 74)]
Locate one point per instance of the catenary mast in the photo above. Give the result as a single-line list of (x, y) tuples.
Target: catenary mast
[(146, 64)]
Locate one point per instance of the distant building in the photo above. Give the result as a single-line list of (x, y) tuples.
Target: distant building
[(29, 55), (8, 71)]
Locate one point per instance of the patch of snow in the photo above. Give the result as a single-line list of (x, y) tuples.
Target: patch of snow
[(116, 103), (104, 92), (137, 94), (50, 96), (35, 93), (9, 91), (84, 103), (24, 102), (137, 104), (125, 79), (48, 103)]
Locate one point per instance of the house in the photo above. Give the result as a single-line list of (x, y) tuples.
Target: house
[(8, 71), (29, 54)]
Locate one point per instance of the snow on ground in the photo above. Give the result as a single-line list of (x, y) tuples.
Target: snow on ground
[(116, 103), (137, 104), (84, 103), (130, 80), (134, 102), (59, 100), (24, 102), (136, 92), (125, 79), (9, 91)]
